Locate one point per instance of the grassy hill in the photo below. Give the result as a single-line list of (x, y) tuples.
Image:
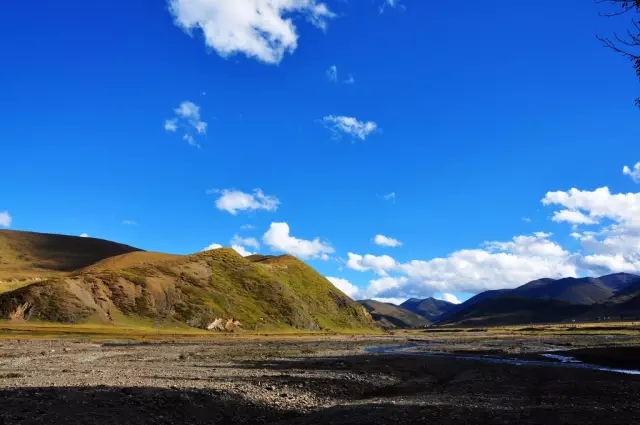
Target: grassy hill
[(429, 308), (80, 280), (25, 255), (391, 316)]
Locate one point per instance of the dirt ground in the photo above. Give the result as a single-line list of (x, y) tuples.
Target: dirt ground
[(307, 381)]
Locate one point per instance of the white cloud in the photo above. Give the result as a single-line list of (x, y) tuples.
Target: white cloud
[(391, 196), (572, 216), (634, 172), (260, 29), (345, 286), (615, 246), (129, 222), (386, 241), (332, 73), (252, 242), (278, 238), (498, 265), (527, 219), (5, 219), (349, 126), (450, 298), (350, 80), (241, 250), (247, 227), (84, 235), (389, 3), (237, 248), (187, 117), (171, 125), (379, 264), (232, 201), (212, 246)]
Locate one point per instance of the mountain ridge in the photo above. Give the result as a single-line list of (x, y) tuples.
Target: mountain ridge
[(125, 285)]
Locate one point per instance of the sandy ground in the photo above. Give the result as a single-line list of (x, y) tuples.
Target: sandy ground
[(323, 381)]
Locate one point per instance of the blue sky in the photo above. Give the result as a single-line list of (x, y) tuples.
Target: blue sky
[(126, 121)]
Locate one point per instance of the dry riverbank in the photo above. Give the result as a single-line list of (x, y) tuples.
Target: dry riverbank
[(310, 381)]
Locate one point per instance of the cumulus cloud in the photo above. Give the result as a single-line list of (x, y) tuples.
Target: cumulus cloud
[(350, 126), (5, 219), (615, 246), (572, 216), (84, 235), (379, 264), (212, 246), (383, 240), (634, 172), (260, 29), (345, 286), (187, 118), (450, 298), (171, 125), (332, 73), (252, 242), (241, 250), (237, 248), (279, 238), (232, 201), (498, 264)]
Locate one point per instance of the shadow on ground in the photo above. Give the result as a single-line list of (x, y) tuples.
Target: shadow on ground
[(366, 389)]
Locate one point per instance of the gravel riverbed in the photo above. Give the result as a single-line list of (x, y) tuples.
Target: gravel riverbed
[(306, 381)]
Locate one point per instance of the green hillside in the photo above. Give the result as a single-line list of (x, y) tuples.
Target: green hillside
[(158, 289)]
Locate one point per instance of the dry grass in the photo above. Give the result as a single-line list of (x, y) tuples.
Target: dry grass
[(132, 259)]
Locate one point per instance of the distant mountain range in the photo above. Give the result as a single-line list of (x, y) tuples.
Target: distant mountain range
[(413, 313), (614, 296), (551, 300)]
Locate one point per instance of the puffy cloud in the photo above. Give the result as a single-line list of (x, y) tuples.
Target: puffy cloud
[(497, 265), (350, 126), (332, 73), (634, 172), (5, 219), (252, 242), (260, 29), (379, 264), (572, 216), (239, 249), (386, 241), (278, 238), (345, 286), (171, 125), (450, 298), (232, 201), (350, 80), (212, 246), (84, 235), (187, 117), (615, 247)]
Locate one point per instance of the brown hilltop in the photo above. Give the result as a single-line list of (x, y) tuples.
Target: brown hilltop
[(78, 280)]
